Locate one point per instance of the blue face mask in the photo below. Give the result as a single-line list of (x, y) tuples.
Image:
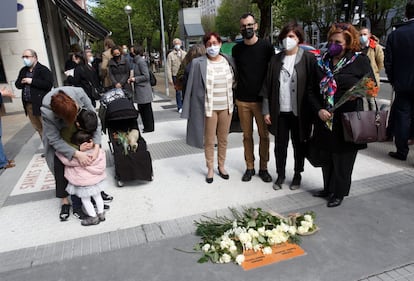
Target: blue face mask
[(27, 62), (363, 39)]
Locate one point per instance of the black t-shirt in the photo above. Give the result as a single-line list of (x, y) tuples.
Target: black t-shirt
[(251, 63)]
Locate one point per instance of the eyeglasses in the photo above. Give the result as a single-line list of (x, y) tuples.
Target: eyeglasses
[(249, 25), (343, 26), (26, 57)]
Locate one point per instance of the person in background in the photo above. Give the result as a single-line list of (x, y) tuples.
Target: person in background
[(370, 46), (86, 76), (120, 72), (106, 57), (4, 162), (174, 59), (252, 56), (208, 104), (195, 51), (285, 108), (338, 70), (399, 66), (35, 80), (143, 90)]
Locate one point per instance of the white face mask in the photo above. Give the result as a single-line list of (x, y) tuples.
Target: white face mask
[(90, 59), (177, 47), (289, 43), (213, 51)]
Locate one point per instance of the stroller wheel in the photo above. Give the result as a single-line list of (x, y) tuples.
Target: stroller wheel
[(120, 183)]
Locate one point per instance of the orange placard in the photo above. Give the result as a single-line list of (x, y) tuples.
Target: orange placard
[(279, 253)]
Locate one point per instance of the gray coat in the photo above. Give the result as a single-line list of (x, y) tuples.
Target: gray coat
[(52, 125), (194, 100), (143, 89)]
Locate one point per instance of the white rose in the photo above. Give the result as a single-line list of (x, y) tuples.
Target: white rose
[(233, 249), (306, 224), (205, 248), (257, 247), (261, 230), (240, 259), (308, 218), (284, 227), (226, 258), (292, 230), (302, 229), (248, 245), (267, 251), (253, 233), (224, 244), (245, 237)]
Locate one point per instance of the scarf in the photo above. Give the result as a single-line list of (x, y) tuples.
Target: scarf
[(328, 84)]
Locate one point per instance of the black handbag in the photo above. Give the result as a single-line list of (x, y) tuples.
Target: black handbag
[(316, 156), (235, 126), (365, 126), (96, 92)]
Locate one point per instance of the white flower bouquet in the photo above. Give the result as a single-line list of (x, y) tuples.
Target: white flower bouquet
[(225, 240)]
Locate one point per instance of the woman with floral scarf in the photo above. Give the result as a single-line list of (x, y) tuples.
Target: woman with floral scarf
[(340, 68)]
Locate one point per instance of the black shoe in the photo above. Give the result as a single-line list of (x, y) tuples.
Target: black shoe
[(64, 212), (78, 213), (248, 174), (106, 207), (106, 197), (278, 183), (297, 178), (321, 193), (209, 180), (334, 202), (265, 176), (397, 155), (224, 176)]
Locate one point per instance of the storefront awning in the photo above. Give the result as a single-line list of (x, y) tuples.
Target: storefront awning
[(8, 15), (80, 18)]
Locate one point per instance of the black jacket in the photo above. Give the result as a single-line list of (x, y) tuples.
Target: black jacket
[(86, 77), (305, 69), (42, 82), (347, 77), (399, 58)]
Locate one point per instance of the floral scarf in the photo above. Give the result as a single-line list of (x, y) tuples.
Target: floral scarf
[(328, 84)]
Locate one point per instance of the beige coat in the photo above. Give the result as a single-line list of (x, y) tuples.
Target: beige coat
[(106, 57), (174, 60)]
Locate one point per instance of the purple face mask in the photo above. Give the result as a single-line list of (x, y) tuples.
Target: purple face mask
[(334, 49)]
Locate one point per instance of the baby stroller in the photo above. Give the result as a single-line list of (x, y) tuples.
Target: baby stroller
[(131, 157)]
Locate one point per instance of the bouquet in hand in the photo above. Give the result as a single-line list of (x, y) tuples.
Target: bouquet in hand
[(365, 88)]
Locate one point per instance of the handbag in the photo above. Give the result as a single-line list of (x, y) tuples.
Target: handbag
[(96, 93), (362, 127), (153, 79), (235, 126)]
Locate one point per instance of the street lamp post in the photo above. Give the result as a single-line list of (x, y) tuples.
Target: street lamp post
[(128, 11), (167, 88)]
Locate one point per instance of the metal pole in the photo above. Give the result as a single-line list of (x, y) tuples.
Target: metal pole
[(164, 57), (130, 31)]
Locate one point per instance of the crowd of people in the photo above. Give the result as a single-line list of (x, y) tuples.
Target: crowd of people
[(289, 95)]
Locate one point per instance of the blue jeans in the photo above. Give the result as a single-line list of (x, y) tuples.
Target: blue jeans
[(403, 113), (178, 95), (3, 158)]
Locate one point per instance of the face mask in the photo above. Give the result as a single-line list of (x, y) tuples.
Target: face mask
[(117, 57), (363, 39), (27, 62), (90, 59), (247, 33), (213, 51), (125, 51), (177, 47), (334, 49), (289, 43)]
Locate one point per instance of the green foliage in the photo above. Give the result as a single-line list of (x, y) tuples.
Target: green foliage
[(208, 23), (227, 20)]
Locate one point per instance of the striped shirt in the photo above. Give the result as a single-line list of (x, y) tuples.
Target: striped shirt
[(218, 75)]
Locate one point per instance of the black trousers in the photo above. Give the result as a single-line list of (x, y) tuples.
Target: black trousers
[(338, 172), (62, 182), (288, 123), (147, 116), (402, 117)]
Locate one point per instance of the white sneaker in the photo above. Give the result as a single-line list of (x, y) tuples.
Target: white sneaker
[(180, 110)]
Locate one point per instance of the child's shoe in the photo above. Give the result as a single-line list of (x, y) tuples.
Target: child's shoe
[(90, 221), (101, 216)]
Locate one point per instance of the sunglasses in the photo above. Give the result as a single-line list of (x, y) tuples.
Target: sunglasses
[(343, 26)]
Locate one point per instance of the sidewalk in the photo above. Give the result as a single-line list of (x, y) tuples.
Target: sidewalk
[(366, 238)]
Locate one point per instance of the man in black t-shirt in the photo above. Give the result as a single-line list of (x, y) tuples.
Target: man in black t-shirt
[(251, 57)]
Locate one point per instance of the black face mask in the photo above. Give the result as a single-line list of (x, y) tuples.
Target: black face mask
[(117, 57), (247, 33)]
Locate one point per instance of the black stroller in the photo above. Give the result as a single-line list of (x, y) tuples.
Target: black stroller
[(131, 157)]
